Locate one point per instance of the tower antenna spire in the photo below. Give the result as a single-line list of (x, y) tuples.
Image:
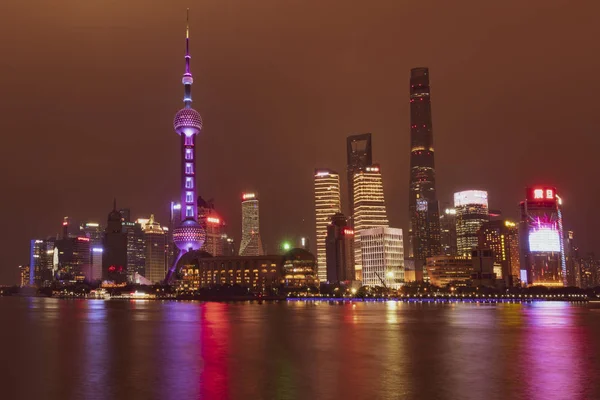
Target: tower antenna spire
[(187, 76)]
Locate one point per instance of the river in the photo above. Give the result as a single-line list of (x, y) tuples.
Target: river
[(117, 349)]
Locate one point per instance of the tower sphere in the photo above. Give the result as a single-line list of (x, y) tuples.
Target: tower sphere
[(187, 121), (189, 235)]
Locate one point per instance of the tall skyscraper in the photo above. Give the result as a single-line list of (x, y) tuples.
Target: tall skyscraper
[(369, 208), (448, 232), (327, 203), (382, 257), (155, 260), (471, 213), (251, 243), (136, 249), (359, 153), (423, 207), (502, 237), (188, 235), (541, 237), (43, 263), (573, 261), (340, 250), (95, 233), (114, 249)]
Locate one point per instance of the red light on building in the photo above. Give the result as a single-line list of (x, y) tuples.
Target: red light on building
[(348, 232), (213, 220), (248, 196), (541, 193), (83, 239)]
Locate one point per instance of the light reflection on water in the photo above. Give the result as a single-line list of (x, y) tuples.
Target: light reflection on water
[(77, 349)]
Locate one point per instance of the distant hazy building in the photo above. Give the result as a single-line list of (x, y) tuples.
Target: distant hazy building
[(95, 232), (327, 203), (360, 156), (471, 213), (369, 208), (340, 250), (114, 254), (483, 268), (542, 240), (125, 214), (228, 245), (136, 249), (502, 238), (448, 232), (23, 275), (213, 225), (572, 260), (382, 251), (156, 251), (175, 219), (251, 243), (423, 207)]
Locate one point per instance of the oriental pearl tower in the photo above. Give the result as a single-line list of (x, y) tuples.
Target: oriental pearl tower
[(189, 235)]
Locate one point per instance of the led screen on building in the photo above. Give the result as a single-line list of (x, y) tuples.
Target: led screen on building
[(544, 238), (470, 197)]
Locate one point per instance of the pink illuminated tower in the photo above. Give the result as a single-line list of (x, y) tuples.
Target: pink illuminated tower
[(189, 235)]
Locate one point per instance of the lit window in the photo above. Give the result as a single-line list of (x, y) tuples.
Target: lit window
[(189, 197), (189, 141), (189, 211), (189, 184), (188, 169), (188, 154)]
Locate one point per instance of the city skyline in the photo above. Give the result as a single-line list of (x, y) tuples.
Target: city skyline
[(525, 134)]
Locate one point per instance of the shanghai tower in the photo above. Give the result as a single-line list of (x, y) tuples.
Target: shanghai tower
[(423, 208)]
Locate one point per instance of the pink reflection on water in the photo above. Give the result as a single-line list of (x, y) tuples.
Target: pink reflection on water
[(552, 349), (214, 343)]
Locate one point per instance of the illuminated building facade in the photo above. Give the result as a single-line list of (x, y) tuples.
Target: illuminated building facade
[(448, 232), (340, 250), (251, 243), (24, 275), (114, 249), (502, 237), (199, 269), (136, 249), (155, 239), (95, 232), (187, 235), (213, 225), (423, 207), (590, 271), (42, 262), (369, 208), (449, 270), (360, 156), (383, 257), (327, 203), (542, 238), (299, 269), (471, 213), (74, 258)]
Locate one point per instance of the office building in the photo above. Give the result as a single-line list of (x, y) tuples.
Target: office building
[(340, 250), (382, 251), (360, 156), (327, 203), (187, 235), (543, 259), (114, 249), (136, 249), (471, 213), (251, 243), (95, 232), (502, 238), (448, 232), (299, 269), (155, 239), (213, 224), (43, 262), (369, 208), (423, 207)]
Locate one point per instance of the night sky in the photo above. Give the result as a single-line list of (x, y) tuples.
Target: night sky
[(88, 91)]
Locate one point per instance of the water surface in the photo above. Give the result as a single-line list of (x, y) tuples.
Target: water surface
[(95, 349)]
